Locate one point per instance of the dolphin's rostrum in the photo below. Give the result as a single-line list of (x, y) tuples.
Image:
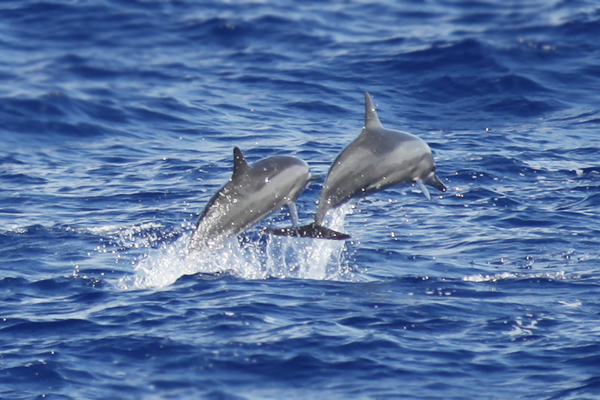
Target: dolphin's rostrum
[(376, 159), (253, 192)]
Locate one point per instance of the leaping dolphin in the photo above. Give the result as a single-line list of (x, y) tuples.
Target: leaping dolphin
[(376, 159), (253, 192)]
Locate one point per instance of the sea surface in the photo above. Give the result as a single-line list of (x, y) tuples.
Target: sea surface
[(117, 125)]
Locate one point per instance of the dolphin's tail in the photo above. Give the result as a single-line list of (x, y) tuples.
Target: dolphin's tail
[(312, 230)]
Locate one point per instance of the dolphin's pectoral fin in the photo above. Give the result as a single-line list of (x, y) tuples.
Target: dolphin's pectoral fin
[(314, 178), (311, 231), (423, 188), (293, 214)]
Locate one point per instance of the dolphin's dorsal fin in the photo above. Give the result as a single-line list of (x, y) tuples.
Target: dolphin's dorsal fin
[(371, 118), (239, 163)]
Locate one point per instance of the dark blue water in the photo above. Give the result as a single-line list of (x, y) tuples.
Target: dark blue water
[(117, 124)]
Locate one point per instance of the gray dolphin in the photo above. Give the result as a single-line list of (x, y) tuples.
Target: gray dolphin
[(376, 159), (252, 193)]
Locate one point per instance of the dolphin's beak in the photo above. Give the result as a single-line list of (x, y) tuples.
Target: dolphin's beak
[(435, 182)]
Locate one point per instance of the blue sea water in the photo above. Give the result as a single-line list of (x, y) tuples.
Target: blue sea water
[(117, 124)]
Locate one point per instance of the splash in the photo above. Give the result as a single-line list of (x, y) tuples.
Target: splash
[(280, 257)]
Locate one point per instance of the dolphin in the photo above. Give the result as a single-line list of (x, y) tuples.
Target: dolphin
[(253, 192), (377, 159)]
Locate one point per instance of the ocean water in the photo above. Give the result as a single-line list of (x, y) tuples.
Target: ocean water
[(117, 124)]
